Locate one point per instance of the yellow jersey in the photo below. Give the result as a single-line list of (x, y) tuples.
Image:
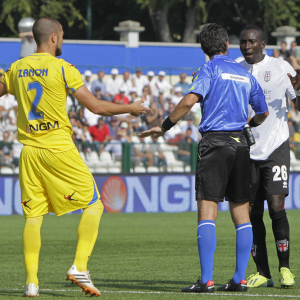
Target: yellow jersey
[(40, 83)]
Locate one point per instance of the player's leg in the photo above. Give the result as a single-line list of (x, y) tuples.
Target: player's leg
[(76, 190), (206, 237), (238, 193), (281, 231), (35, 204), (87, 234), (208, 195), (259, 248), (31, 248), (276, 181), (71, 186), (240, 216), (214, 162), (207, 242)]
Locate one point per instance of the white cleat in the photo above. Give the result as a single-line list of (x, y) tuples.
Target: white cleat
[(83, 279), (31, 290)]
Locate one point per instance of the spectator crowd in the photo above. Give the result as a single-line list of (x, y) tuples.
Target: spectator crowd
[(92, 133)]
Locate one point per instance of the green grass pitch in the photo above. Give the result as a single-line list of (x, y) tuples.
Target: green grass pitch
[(137, 256)]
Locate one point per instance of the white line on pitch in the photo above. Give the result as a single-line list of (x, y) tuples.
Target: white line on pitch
[(165, 293)]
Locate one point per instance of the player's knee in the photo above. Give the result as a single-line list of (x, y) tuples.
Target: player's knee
[(278, 214), (34, 221), (275, 203), (99, 205), (275, 207), (96, 209)]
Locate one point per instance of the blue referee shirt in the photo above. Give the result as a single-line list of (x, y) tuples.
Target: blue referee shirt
[(226, 89)]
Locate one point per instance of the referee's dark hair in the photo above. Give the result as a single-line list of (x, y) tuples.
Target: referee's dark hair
[(43, 28), (256, 28), (213, 38)]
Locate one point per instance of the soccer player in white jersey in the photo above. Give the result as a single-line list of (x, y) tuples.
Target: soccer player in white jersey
[(270, 157)]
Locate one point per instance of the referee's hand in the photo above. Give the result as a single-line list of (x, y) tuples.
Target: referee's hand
[(155, 131), (295, 81)]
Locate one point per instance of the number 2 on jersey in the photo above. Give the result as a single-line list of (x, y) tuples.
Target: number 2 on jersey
[(33, 114)]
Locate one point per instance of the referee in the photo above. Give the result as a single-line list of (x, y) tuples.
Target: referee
[(224, 89)]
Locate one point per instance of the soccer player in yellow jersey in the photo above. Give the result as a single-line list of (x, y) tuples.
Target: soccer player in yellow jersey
[(53, 177)]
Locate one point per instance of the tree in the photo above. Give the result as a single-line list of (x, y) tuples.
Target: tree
[(167, 16), (164, 20), (14, 10), (190, 21), (158, 11)]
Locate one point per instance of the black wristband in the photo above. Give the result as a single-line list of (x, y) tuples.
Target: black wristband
[(167, 124), (252, 123)]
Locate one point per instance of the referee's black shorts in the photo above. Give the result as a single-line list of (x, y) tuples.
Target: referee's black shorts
[(223, 167)]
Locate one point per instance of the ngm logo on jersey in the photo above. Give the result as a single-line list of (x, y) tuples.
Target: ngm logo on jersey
[(143, 193)]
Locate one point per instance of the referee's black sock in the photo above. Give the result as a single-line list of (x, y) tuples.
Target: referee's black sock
[(259, 248), (281, 230)]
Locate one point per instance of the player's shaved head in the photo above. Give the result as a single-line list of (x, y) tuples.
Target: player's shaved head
[(255, 28), (43, 28)]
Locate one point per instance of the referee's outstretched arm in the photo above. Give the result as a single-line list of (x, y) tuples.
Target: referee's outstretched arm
[(183, 107)]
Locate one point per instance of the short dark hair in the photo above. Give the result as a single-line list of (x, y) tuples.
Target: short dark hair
[(256, 28), (213, 38), (43, 28)]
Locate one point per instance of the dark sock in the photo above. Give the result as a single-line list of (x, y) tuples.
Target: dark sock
[(281, 231), (259, 248)]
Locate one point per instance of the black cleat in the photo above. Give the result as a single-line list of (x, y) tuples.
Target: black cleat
[(200, 287), (231, 286)]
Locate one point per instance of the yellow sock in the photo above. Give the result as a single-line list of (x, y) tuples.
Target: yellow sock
[(87, 234), (31, 247)]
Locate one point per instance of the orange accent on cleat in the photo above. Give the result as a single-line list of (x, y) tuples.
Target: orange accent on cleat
[(86, 290)]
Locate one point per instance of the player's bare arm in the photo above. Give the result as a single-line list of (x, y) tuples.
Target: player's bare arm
[(183, 107), (296, 85), (104, 108), (260, 118), (295, 80), (3, 89)]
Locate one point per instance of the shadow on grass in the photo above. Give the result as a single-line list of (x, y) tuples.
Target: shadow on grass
[(147, 285), (150, 285), (56, 294), (11, 294), (16, 294), (143, 285)]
